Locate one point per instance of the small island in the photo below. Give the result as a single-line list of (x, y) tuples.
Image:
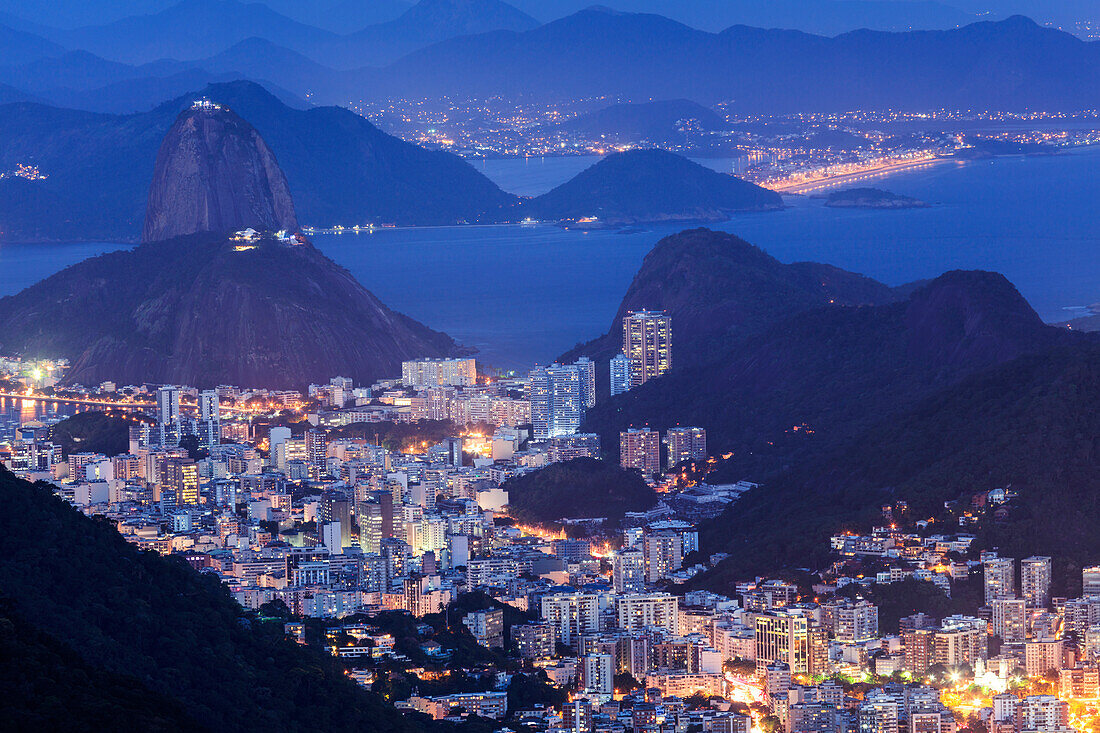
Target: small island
[(872, 198)]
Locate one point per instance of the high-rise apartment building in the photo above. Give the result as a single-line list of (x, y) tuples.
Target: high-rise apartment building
[(424, 373), (533, 641), (879, 713), (1010, 619), (587, 369), (637, 611), (560, 394), (629, 570), (578, 445), (182, 476), (647, 342), (1000, 579), (960, 640), (209, 421), (597, 672), (316, 447), (663, 554), (1041, 712), (1035, 581), (782, 636), (856, 622), (571, 615), (640, 449), (620, 374), (168, 416), (685, 445)]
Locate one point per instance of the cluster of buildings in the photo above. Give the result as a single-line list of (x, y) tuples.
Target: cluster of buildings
[(298, 515)]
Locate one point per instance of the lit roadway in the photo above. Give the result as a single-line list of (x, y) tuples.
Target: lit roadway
[(104, 403), (853, 177)]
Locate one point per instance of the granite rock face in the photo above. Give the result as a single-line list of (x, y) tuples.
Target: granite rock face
[(214, 173)]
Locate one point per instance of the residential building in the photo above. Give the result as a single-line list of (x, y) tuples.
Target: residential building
[(571, 615), (685, 445), (628, 570), (424, 373), (648, 611), (640, 449), (1000, 579), (1010, 620), (647, 342), (620, 374), (783, 636), (1035, 581)]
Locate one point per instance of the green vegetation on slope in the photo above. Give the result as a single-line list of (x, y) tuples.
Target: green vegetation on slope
[(583, 487), (175, 631), (92, 432)]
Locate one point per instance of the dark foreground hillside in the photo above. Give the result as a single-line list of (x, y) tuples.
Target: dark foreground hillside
[(100, 635)]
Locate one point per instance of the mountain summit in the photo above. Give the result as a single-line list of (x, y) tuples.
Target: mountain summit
[(191, 305), (214, 173)]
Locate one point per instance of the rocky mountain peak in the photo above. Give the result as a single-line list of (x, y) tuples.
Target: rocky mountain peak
[(214, 173)]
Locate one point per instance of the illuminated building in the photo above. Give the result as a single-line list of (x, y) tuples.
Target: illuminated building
[(783, 636), (1080, 683), (483, 704), (638, 611), (597, 672), (571, 615), (1081, 614), (919, 647), (533, 641), (423, 373), (487, 627), (182, 476), (209, 420), (628, 570), (685, 445), (168, 416), (960, 640), (315, 449), (647, 342), (664, 554), (1000, 579), (578, 445), (1090, 581), (1041, 657), (1010, 619), (1035, 581), (558, 396), (879, 713), (640, 449), (1041, 712), (620, 374), (856, 622)]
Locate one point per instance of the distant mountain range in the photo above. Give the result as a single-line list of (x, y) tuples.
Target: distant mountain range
[(1013, 64), (484, 48), (196, 29)]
